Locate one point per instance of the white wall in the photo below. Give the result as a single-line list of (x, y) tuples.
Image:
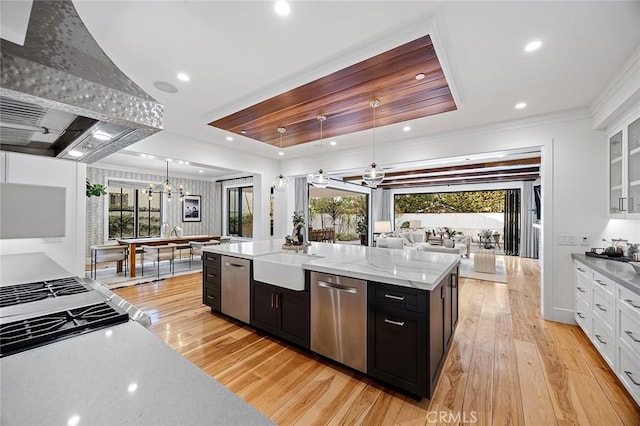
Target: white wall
[(67, 251)]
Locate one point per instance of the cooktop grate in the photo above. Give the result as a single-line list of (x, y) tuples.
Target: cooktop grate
[(31, 332), (31, 292)]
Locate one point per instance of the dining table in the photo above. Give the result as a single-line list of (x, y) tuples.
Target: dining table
[(133, 244)]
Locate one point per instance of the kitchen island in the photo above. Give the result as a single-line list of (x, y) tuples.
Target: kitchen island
[(395, 309)]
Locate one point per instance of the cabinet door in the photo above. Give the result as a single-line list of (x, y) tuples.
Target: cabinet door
[(436, 332), (211, 296), (447, 325), (263, 306), (616, 200), (454, 300), (397, 348), (293, 312), (633, 167)]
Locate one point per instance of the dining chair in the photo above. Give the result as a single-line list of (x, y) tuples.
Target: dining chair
[(157, 254), (108, 253)]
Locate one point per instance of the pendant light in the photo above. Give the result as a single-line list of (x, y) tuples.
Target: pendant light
[(281, 183), (166, 186), (320, 180), (373, 175)]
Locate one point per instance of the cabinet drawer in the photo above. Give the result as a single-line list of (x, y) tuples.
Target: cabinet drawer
[(414, 300), (212, 257), (581, 270), (630, 301), (604, 342), (211, 275), (604, 308), (629, 372), (583, 316), (629, 331), (583, 289), (602, 282), (211, 297)]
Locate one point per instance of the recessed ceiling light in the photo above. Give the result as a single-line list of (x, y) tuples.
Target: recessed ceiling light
[(244, 132), (165, 86), (169, 160), (182, 76), (75, 153), (333, 143), (534, 45), (281, 153), (406, 129), (419, 76), (521, 105), (282, 8), (229, 138), (200, 171)]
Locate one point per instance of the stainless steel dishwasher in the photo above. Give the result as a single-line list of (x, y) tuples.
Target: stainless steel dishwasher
[(339, 319), (236, 278)]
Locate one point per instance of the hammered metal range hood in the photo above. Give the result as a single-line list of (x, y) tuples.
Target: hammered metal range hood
[(61, 96)]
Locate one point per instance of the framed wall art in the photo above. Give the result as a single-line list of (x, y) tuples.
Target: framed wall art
[(191, 210)]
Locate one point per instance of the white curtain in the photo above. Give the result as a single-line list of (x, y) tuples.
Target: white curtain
[(380, 205), (302, 197), (528, 237)]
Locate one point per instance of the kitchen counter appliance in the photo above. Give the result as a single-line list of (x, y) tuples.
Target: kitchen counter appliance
[(339, 319), (236, 284)]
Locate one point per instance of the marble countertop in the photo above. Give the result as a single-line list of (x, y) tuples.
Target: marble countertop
[(619, 272), (29, 267), (115, 376), (408, 268)]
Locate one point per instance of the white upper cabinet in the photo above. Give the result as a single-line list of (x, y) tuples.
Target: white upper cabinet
[(624, 169)]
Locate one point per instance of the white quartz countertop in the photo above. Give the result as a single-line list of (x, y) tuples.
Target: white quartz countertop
[(120, 375), (29, 267), (407, 267)]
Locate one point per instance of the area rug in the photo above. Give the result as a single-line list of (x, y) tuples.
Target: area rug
[(466, 271), (111, 279)]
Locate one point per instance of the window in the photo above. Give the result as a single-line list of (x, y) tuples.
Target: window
[(240, 211), (132, 214)]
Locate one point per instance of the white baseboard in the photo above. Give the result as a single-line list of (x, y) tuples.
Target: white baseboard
[(563, 315)]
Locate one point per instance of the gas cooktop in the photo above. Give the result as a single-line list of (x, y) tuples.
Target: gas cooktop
[(36, 331), (31, 292)]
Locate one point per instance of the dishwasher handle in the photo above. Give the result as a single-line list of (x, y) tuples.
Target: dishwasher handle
[(235, 265), (338, 287)]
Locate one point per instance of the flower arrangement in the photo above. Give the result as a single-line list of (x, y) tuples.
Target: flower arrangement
[(298, 218)]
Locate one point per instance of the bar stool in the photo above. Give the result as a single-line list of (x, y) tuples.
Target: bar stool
[(108, 253), (158, 254)]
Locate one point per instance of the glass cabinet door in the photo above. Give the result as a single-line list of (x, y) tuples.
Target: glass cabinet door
[(633, 167), (615, 174)]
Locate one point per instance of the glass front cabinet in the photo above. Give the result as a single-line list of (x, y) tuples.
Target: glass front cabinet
[(624, 169)]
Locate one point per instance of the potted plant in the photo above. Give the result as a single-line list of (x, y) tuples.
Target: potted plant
[(362, 228), (95, 189), (298, 224)]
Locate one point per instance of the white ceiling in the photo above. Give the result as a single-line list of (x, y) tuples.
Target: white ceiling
[(240, 52)]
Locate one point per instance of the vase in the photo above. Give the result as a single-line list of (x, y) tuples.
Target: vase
[(165, 230)]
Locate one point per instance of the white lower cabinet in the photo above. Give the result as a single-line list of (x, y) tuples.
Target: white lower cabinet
[(609, 314)]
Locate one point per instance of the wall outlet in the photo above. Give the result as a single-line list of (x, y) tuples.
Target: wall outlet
[(584, 241), (566, 240)]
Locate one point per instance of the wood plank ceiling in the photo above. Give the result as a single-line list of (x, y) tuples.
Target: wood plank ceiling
[(343, 97), (476, 172)]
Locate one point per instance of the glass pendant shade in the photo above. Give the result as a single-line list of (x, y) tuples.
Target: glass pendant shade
[(320, 180), (373, 175), (281, 183)]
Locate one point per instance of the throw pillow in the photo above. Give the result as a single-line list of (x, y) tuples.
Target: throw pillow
[(419, 237), (407, 237)]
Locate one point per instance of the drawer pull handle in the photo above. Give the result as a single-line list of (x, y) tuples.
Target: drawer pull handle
[(580, 269), (398, 323), (630, 376), (581, 290), (391, 296), (629, 301), (600, 339), (210, 275), (601, 283), (630, 334), (211, 297), (580, 315), (272, 300), (600, 307)]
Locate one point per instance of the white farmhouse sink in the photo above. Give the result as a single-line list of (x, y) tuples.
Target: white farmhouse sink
[(282, 269)]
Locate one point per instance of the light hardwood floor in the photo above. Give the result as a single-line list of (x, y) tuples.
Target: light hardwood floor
[(506, 365)]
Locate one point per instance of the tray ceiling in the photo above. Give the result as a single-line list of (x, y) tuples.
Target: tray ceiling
[(343, 97)]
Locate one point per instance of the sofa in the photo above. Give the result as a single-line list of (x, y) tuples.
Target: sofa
[(416, 240)]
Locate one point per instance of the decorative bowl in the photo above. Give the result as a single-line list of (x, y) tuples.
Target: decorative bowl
[(635, 266)]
